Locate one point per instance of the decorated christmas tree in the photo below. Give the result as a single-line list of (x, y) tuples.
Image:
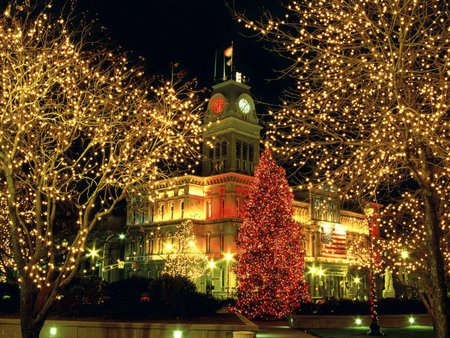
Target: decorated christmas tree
[(184, 257), (271, 257)]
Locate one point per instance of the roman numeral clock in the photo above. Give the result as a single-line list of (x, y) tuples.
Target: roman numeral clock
[(232, 130)]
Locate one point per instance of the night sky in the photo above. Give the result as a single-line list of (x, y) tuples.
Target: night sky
[(188, 32)]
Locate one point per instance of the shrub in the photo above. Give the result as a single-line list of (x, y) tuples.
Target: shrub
[(81, 298), (176, 297), (123, 298)]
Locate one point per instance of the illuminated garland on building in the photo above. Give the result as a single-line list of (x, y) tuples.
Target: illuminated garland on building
[(270, 260)]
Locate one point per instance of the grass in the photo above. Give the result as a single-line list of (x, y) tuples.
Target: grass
[(416, 331)]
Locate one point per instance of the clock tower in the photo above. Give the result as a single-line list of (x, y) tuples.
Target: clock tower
[(231, 134)]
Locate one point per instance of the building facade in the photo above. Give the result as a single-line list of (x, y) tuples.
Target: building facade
[(214, 202)]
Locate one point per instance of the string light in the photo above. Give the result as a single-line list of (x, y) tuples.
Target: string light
[(80, 129), (185, 258), (271, 257)]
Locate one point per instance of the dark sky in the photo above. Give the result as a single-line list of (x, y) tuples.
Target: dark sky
[(188, 32)]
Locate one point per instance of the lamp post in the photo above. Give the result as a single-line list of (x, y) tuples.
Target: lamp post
[(102, 270), (369, 211)]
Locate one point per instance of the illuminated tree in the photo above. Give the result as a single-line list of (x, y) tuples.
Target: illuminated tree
[(80, 128), (184, 257), (369, 111), (405, 244), (6, 261), (271, 258)]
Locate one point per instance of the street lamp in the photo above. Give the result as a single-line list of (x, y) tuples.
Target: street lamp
[(369, 211), (102, 270)]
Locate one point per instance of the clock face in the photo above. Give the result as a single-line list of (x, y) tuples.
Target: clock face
[(217, 105), (244, 106)]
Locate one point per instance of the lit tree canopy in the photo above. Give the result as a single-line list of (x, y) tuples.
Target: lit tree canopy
[(184, 257), (369, 113), (80, 128), (271, 257)]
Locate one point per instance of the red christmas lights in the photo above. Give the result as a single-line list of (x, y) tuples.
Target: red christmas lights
[(270, 260)]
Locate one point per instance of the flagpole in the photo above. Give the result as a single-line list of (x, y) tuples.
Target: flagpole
[(215, 66), (224, 73), (232, 57)]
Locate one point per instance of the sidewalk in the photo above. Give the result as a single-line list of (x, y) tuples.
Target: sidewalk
[(279, 330)]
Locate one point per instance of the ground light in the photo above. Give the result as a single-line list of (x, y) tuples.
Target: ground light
[(53, 331), (177, 334), (358, 321), (411, 320)]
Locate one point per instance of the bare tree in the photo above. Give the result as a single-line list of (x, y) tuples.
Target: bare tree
[(80, 128), (369, 112)]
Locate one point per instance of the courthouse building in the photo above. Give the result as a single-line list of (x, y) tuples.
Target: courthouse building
[(214, 202)]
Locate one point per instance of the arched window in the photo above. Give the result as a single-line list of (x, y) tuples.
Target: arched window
[(171, 210), (208, 242), (159, 244), (161, 211), (149, 244)]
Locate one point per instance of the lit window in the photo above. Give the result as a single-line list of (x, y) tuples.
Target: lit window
[(171, 210), (208, 209), (182, 209)]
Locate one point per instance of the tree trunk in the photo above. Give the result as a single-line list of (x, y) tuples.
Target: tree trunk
[(29, 326), (436, 265)]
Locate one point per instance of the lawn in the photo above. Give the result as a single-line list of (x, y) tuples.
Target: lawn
[(359, 332)]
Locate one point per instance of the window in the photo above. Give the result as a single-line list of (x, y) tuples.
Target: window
[(238, 149), (161, 211), (250, 152), (211, 153), (149, 244), (171, 210), (182, 209), (222, 207), (244, 151), (222, 242), (238, 164), (217, 150), (208, 242), (224, 148), (133, 245), (208, 209), (159, 244)]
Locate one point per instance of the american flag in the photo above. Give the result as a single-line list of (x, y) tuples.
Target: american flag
[(334, 242)]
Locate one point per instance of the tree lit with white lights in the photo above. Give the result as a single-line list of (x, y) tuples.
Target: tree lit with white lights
[(80, 128), (184, 258), (369, 112)]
